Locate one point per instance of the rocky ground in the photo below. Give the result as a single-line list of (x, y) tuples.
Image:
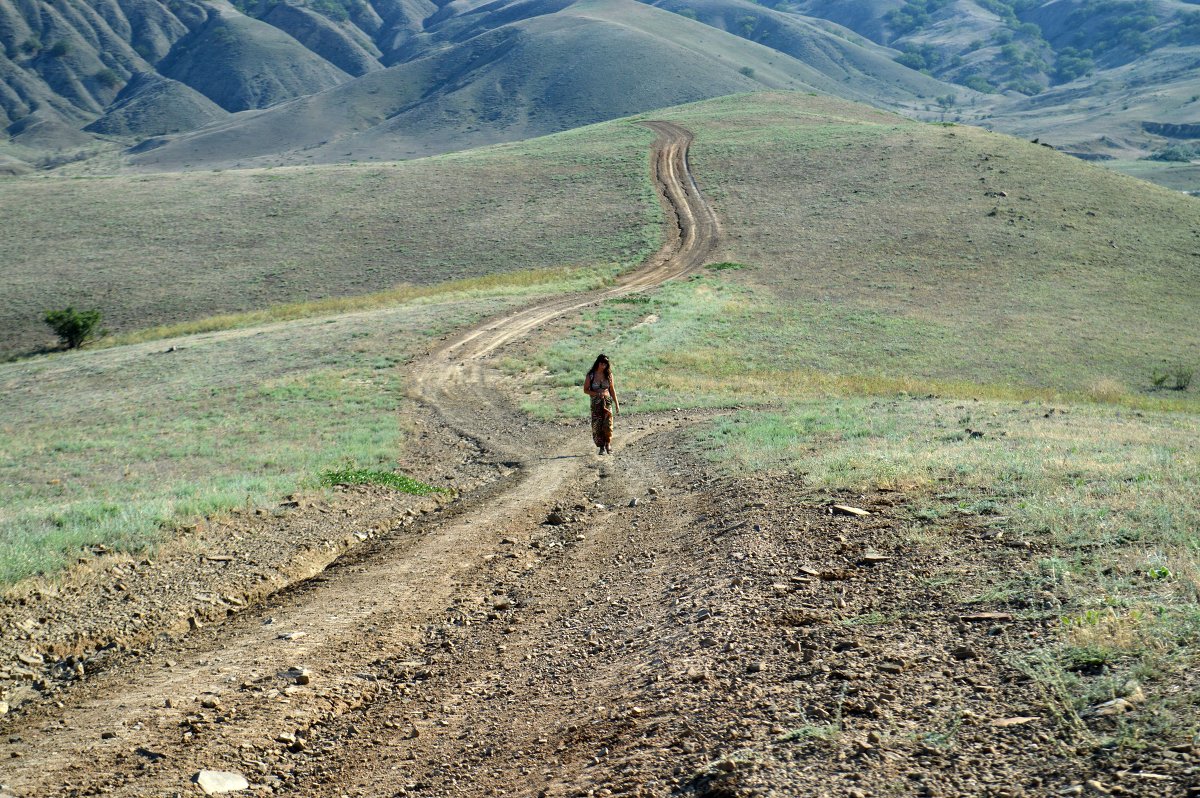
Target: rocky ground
[(562, 623)]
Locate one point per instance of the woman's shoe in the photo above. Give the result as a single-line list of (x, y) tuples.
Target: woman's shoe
[(601, 450), (608, 449)]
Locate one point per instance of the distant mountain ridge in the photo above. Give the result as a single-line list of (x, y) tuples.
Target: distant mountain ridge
[(216, 83)]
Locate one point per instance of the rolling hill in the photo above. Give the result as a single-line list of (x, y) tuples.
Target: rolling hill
[(550, 68), (318, 81), (860, 215)]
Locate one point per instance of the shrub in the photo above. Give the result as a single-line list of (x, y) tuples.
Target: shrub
[(1180, 376), (74, 327), (59, 49), (107, 78), (1177, 153)]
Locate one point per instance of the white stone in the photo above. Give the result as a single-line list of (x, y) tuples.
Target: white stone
[(216, 782)]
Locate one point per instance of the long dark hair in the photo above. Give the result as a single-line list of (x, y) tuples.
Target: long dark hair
[(603, 359)]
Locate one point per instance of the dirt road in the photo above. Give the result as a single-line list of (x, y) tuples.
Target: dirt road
[(577, 625), (305, 657)]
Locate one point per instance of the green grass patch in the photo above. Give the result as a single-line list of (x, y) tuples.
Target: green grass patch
[(117, 446), (371, 476)]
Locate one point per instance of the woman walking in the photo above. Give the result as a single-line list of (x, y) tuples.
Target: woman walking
[(598, 384)]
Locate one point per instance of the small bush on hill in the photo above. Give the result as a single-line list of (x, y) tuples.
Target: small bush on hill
[(74, 327)]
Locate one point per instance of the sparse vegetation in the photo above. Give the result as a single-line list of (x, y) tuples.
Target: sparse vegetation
[(846, 379), (117, 447), (1177, 153), (107, 77), (410, 226)]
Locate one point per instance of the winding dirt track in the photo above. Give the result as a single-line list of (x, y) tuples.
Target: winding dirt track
[(148, 729), (454, 381)]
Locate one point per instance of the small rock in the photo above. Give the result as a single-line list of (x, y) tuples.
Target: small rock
[(108, 735), (696, 675), (1133, 692), (1118, 706), (32, 660), (291, 635), (502, 603), (985, 617), (216, 782), (1001, 723), (964, 652), (652, 491), (633, 502), (210, 703), (555, 518), (874, 738), (756, 667), (845, 509), (3, 707)]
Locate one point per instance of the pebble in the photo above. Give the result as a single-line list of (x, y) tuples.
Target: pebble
[(217, 782)]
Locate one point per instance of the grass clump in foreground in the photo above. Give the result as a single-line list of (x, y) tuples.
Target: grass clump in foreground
[(372, 476)]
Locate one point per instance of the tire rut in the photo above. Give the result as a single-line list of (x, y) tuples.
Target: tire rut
[(225, 688)]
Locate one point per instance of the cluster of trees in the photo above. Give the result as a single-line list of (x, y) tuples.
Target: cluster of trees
[(1026, 61)]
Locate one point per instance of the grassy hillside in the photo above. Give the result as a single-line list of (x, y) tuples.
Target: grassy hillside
[(112, 447), (970, 324), (884, 252), (170, 248)]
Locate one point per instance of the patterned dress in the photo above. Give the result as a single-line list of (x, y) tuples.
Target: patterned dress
[(602, 415)]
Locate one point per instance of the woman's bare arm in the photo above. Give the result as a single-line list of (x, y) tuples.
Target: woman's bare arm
[(612, 391)]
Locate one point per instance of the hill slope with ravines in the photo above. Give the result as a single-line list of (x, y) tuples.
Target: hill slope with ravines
[(209, 83)]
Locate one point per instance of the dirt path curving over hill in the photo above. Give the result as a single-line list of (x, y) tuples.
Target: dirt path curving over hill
[(224, 696), (577, 625), (454, 380)]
